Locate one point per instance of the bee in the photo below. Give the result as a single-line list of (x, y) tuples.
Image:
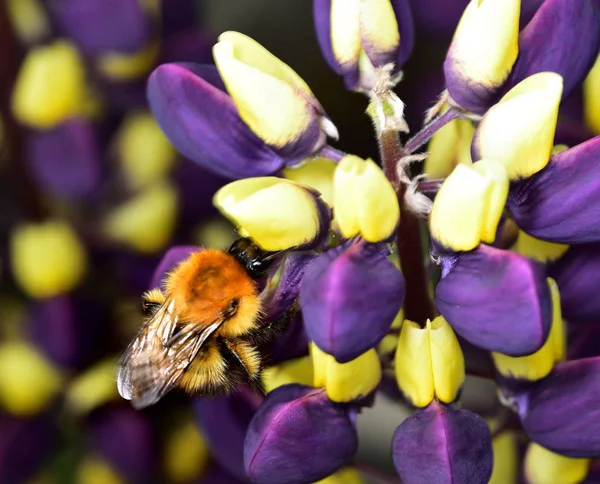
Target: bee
[(203, 332)]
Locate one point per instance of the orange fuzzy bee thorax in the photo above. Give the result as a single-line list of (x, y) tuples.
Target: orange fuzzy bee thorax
[(208, 285)]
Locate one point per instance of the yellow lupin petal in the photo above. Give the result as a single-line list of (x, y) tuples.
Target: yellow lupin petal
[(429, 362), (345, 382), (506, 459), (271, 98), (127, 67), (28, 19), (47, 258), (469, 205), (378, 25), (299, 370), (276, 213), (318, 174), (186, 454), (94, 470), (539, 364), (29, 382), (519, 130), (50, 86), (145, 153), (543, 466), (449, 146), (591, 98), (345, 31), (540, 250), (364, 200), (146, 222), (92, 388), (347, 475), (485, 44)]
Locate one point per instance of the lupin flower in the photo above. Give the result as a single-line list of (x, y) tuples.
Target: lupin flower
[(47, 258), (449, 146), (506, 456), (212, 116), (357, 38), (29, 20), (317, 173), (365, 202), (50, 86), (543, 465), (261, 207), (591, 97), (429, 362), (442, 444), (349, 297), (292, 422)]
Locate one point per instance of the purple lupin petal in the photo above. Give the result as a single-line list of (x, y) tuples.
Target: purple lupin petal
[(406, 27), (200, 119), (322, 19), (109, 25), (495, 299), (126, 439), (65, 160), (224, 421), (558, 29), (561, 203), (349, 298), (442, 444), (172, 257), (561, 411), (578, 278), (297, 436), (25, 444), (528, 10)]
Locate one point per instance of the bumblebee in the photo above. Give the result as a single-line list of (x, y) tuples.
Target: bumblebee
[(203, 332)]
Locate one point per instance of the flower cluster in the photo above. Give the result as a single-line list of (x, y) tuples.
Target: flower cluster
[(414, 272)]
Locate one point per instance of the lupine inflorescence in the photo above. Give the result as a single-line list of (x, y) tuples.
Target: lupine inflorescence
[(466, 249)]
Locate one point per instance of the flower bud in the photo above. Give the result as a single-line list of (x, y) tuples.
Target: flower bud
[(275, 213), (47, 258), (539, 364), (345, 382), (50, 86), (538, 249), (299, 370), (317, 174), (65, 160), (558, 203), (450, 146), (543, 466), (442, 444), (365, 202), (560, 412), (591, 98), (292, 422), (495, 299), (349, 298), (547, 43), (29, 383), (186, 453), (357, 37), (482, 53), (469, 205), (519, 130), (92, 388), (110, 25), (145, 153), (275, 103), (429, 362), (146, 222)]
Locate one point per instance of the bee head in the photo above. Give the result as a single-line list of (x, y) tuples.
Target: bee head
[(255, 260)]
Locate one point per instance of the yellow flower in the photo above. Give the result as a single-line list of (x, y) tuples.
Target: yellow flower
[(127, 67), (186, 453), (449, 146), (318, 174), (365, 202), (541, 250), (591, 98), (92, 388), (429, 362), (47, 258), (543, 466), (299, 370)]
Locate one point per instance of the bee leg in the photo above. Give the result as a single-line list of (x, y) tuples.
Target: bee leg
[(248, 358), (266, 334)]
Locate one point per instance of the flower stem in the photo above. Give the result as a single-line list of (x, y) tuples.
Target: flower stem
[(423, 136), (417, 305), (332, 153), (13, 132)]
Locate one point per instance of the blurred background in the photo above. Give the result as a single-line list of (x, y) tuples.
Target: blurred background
[(91, 197)]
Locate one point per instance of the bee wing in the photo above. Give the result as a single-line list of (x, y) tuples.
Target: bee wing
[(157, 358)]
